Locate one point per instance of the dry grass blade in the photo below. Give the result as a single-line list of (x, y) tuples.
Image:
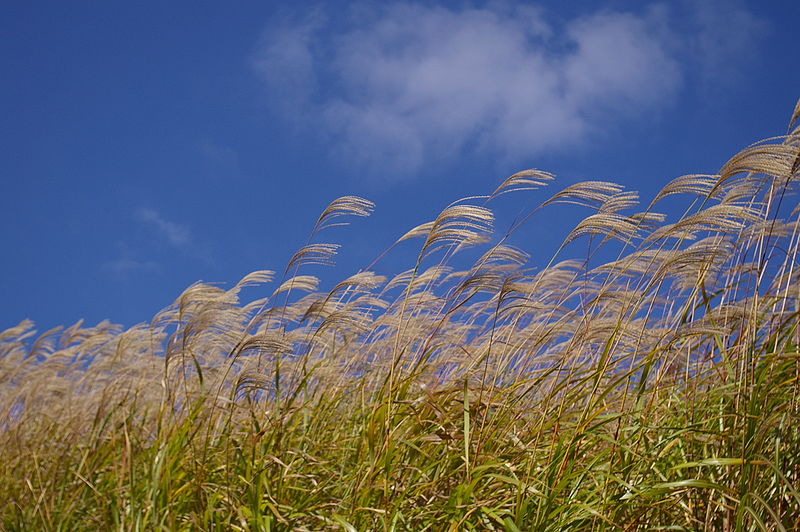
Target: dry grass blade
[(458, 225), (344, 206), (319, 254), (648, 220), (743, 191), (610, 225), (771, 159), (271, 342), (697, 184), (618, 202), (418, 231), (795, 115), (586, 193), (22, 331), (700, 258), (304, 283), (721, 218), (361, 282), (249, 381), (255, 278), (724, 219), (503, 253), (429, 277), (796, 164), (196, 296), (526, 180)]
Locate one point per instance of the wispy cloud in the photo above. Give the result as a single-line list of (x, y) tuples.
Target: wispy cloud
[(219, 155), (175, 234), (400, 86), (143, 251), (724, 36)]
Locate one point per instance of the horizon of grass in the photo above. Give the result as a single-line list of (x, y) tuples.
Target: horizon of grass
[(657, 390)]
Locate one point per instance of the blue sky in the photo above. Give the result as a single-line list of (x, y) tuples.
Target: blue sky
[(146, 146)]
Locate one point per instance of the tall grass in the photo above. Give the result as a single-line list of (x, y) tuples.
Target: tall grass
[(653, 387)]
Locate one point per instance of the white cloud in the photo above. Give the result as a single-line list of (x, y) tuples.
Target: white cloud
[(175, 234), (407, 85), (725, 37), (284, 58)]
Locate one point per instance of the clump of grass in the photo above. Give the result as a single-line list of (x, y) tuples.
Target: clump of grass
[(656, 390)]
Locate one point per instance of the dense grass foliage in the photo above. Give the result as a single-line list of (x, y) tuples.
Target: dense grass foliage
[(653, 387)]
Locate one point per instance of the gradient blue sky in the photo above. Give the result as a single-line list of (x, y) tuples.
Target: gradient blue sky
[(145, 146)]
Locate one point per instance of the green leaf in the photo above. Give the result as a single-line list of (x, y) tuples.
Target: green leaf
[(718, 462)]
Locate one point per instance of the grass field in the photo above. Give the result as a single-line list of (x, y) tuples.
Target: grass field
[(655, 389)]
